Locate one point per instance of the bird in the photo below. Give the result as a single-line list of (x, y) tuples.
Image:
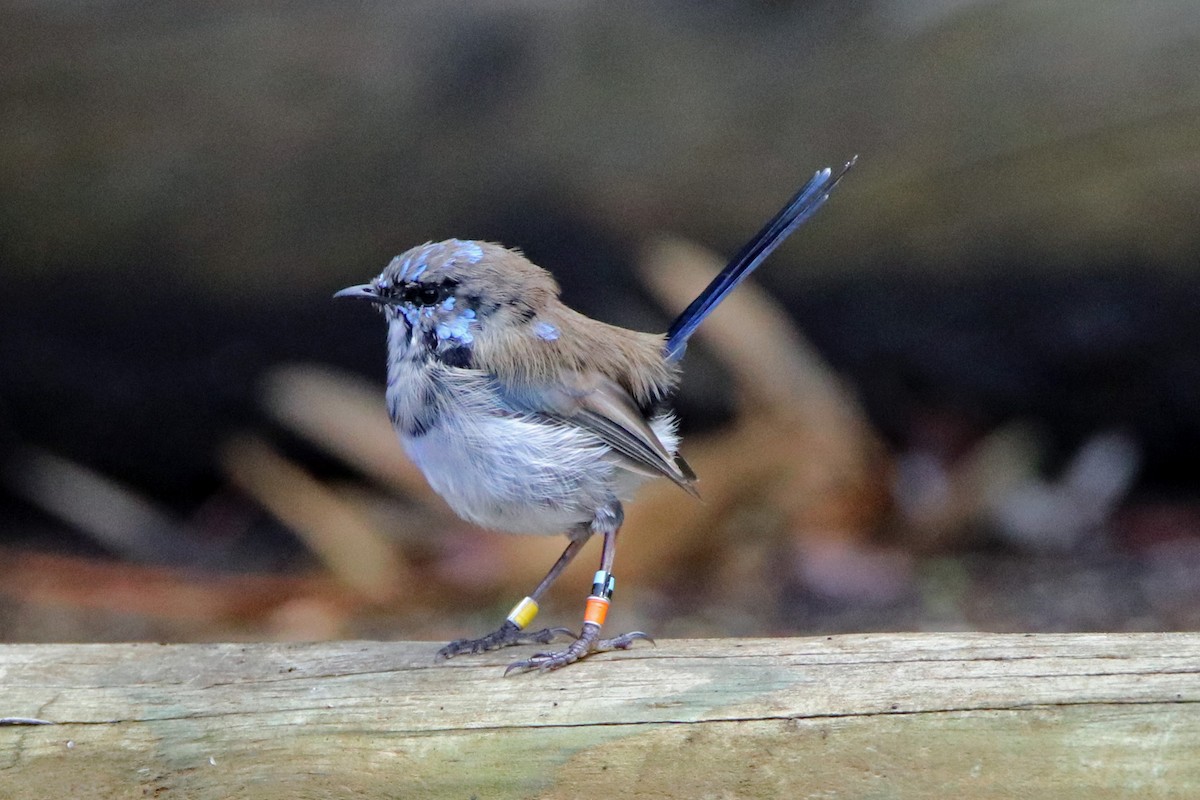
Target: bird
[(528, 417)]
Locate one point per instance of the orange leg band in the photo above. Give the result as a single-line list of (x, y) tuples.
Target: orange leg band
[(596, 611)]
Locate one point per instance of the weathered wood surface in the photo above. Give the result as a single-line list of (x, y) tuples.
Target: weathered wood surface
[(888, 716)]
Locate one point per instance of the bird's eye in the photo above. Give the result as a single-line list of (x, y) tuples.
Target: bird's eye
[(426, 294)]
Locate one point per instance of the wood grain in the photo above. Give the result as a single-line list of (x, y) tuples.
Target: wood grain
[(896, 716)]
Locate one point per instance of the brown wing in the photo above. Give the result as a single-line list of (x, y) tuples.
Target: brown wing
[(600, 406), (609, 412)]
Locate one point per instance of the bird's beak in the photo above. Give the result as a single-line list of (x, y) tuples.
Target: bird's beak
[(364, 291)]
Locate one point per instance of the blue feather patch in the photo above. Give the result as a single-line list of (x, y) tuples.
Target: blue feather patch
[(544, 330)]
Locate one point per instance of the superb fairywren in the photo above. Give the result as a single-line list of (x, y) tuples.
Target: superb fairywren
[(529, 417)]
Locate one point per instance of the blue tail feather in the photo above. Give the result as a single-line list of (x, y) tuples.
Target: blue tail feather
[(802, 206)]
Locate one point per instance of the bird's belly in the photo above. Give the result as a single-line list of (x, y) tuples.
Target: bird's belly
[(513, 473)]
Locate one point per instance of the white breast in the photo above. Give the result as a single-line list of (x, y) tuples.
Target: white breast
[(512, 473)]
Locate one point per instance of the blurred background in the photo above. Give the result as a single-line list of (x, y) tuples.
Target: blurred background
[(965, 396)]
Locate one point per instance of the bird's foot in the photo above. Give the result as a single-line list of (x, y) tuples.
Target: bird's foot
[(506, 636), (587, 644)]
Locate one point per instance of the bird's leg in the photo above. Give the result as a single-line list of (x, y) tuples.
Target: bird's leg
[(513, 630), (607, 522)]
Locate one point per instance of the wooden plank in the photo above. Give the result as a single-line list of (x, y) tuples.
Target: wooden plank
[(889, 716)]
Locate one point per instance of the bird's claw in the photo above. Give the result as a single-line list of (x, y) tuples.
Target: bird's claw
[(624, 641), (506, 636), (581, 648)]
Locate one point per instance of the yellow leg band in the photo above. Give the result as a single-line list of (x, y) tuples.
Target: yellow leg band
[(523, 613)]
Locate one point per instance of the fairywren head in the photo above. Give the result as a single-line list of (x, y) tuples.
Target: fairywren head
[(441, 293)]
